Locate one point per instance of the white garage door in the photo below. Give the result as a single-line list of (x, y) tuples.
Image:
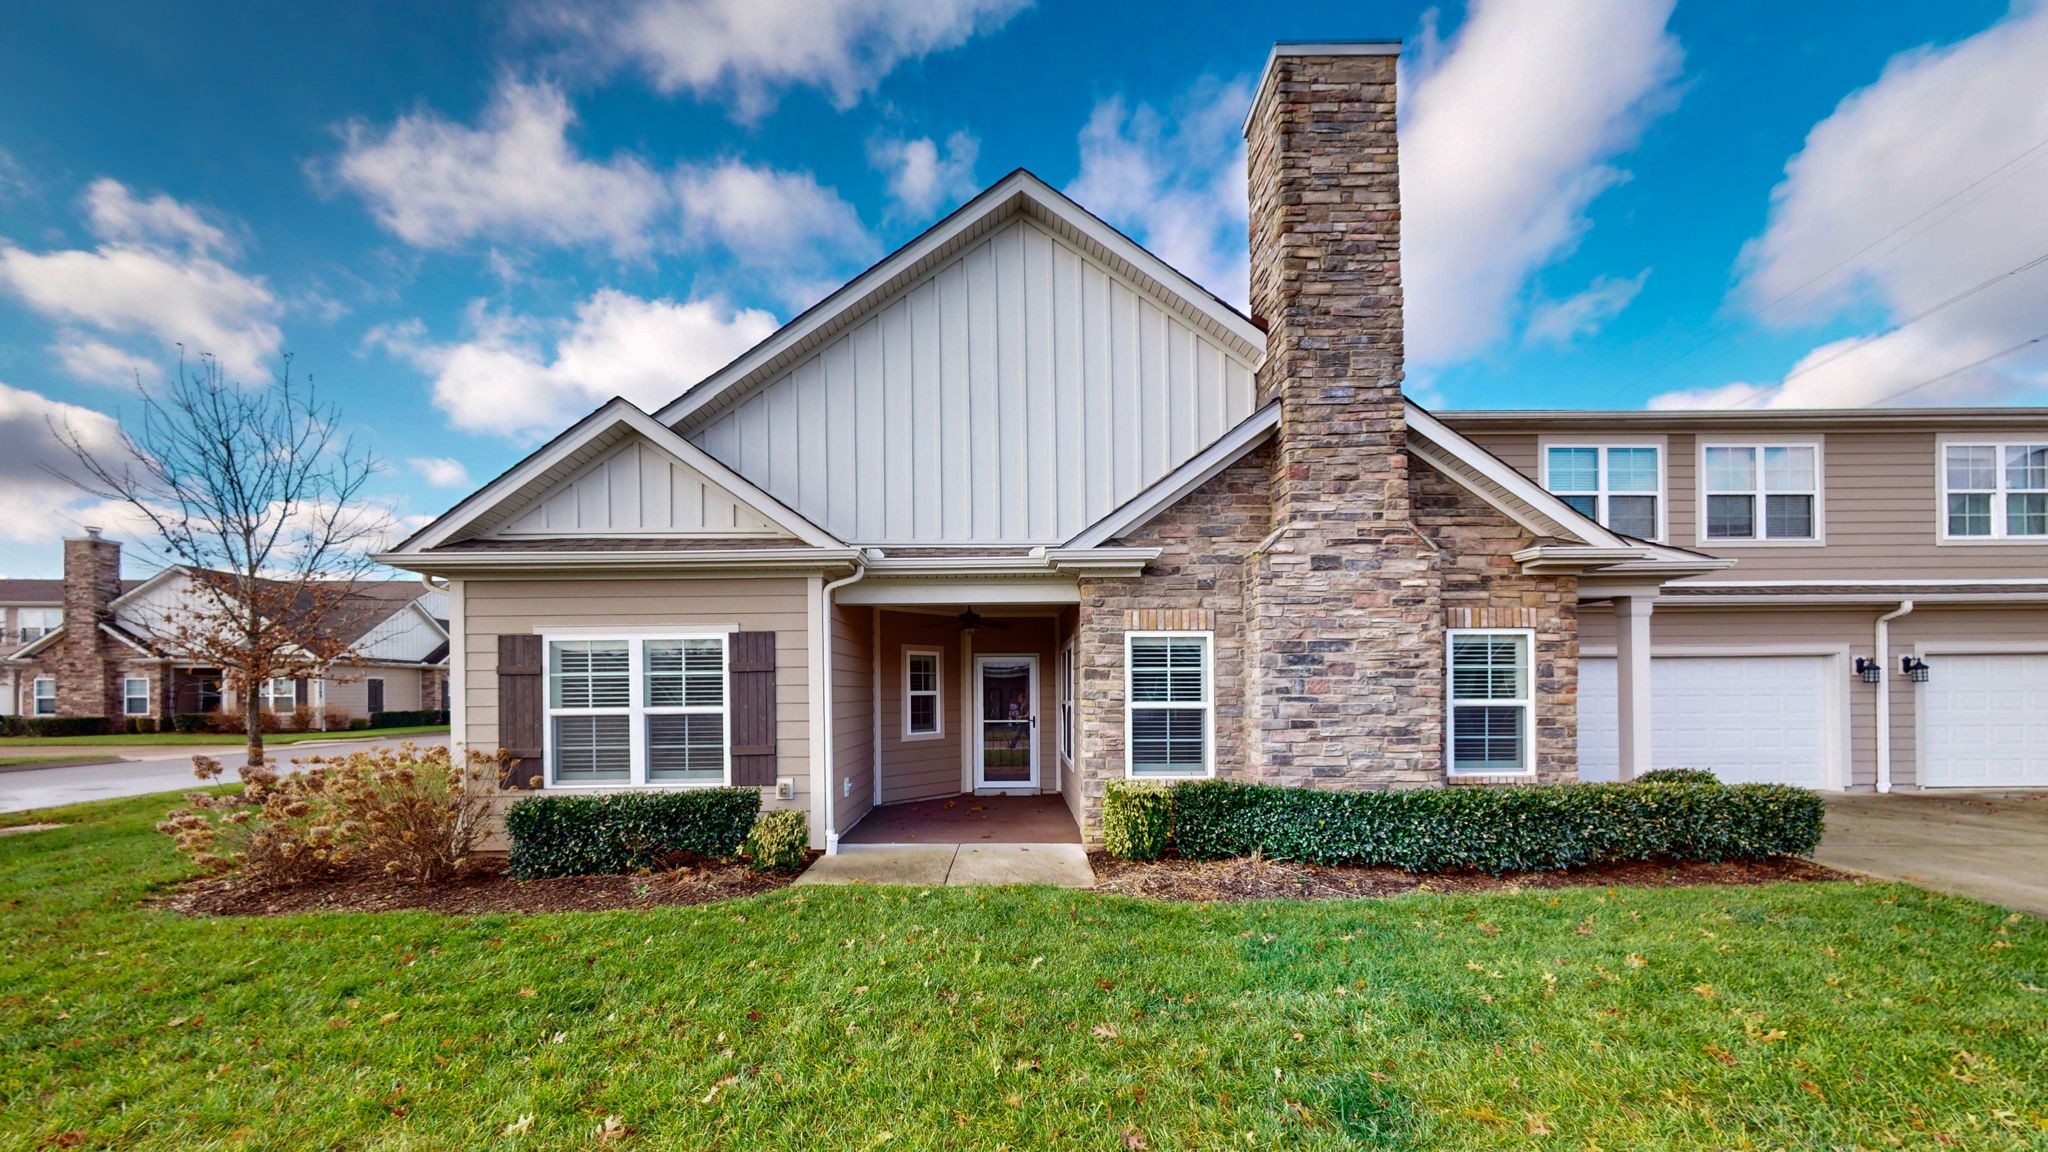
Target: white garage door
[(1984, 721), (1749, 719)]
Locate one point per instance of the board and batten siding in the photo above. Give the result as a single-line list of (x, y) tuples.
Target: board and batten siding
[(639, 490), (493, 607), (1015, 395)]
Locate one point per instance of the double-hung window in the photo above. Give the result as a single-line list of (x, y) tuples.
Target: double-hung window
[(135, 695), (1619, 485), (1491, 704), (36, 623), (637, 710), (1768, 492), (280, 694), (1168, 711), (45, 699), (1995, 491), (923, 715)]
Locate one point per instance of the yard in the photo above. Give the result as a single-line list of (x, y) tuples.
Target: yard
[(1802, 1016), (211, 739)]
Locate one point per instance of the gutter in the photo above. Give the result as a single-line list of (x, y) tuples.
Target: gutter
[(824, 737), (1884, 694)]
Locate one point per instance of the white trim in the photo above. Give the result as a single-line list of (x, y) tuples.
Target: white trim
[(636, 711), (981, 723), (599, 562), (1759, 491), (1999, 495), (875, 679), (1602, 445), (1527, 701), (1937, 649), (35, 696), (1207, 704), (1499, 472), (658, 631), (1199, 469), (877, 589), (818, 714), (127, 697), (2016, 581), (937, 692)]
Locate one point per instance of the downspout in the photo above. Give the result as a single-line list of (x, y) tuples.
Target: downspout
[(860, 569), (1884, 694)]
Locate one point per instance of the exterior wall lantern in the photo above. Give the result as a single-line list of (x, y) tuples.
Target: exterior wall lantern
[(1871, 671), (1915, 668)]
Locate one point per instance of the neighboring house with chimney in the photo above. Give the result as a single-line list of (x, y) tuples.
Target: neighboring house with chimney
[(96, 644), (1024, 509)]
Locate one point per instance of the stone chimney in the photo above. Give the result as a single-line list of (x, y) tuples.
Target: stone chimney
[(92, 580), (1345, 671)]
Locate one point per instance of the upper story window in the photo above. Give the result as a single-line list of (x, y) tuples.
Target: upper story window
[(922, 714), (635, 710), (35, 623), (1768, 492), (1995, 491), (1619, 485)]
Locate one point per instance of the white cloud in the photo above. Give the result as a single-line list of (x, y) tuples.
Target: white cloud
[(97, 362), (749, 51), (784, 224), (1175, 181), (436, 184), (440, 471), (518, 377), (156, 273), (1507, 136), (922, 178), (36, 501), (1564, 322), (1954, 135)]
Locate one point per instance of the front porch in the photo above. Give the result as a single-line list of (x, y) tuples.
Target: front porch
[(969, 819)]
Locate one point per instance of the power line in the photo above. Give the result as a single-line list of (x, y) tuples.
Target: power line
[(1930, 382)]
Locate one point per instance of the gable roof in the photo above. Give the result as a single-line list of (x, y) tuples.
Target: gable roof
[(1019, 193), (585, 441), (40, 593)]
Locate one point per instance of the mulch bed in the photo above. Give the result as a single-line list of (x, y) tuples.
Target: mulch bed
[(1255, 878), (482, 889)]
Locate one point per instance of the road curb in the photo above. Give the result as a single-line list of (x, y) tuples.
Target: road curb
[(63, 763)]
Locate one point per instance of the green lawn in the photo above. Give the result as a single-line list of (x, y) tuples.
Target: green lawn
[(207, 739), (11, 761), (1821, 1017)]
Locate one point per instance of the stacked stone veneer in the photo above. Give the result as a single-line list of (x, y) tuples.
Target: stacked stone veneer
[(79, 659)]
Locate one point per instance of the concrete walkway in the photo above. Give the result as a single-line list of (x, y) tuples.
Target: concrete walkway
[(1988, 846), (930, 865)]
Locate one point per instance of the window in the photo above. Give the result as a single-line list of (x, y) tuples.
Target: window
[(922, 712), (1069, 738), (373, 693), (1995, 491), (36, 623), (45, 696), (1490, 703), (135, 695), (1168, 712), (280, 694), (1619, 485), (1761, 491), (637, 711)]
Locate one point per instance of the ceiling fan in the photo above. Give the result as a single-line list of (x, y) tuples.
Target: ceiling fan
[(967, 621)]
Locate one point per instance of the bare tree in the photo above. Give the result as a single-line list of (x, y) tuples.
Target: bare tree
[(258, 495)]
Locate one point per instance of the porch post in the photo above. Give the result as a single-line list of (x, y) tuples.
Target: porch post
[(1632, 682)]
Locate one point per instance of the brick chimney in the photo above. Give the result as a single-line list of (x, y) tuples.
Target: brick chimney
[(1345, 673), (92, 579)]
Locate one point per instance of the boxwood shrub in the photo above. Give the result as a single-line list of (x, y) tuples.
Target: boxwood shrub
[(627, 831), (1495, 830), (416, 719), (1678, 776), (1136, 819), (54, 725), (779, 842)]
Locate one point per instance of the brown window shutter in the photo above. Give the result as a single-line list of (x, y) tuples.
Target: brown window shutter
[(750, 685), (520, 711)]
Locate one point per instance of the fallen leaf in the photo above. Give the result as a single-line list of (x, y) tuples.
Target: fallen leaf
[(1104, 1031), (1721, 1054), (1134, 1139), (1813, 1088), (1635, 960), (1703, 991), (520, 1125)]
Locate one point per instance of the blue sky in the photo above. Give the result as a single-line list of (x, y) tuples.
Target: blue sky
[(472, 224)]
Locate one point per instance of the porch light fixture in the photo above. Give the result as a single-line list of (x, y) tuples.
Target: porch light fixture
[(1915, 668), (1871, 671)]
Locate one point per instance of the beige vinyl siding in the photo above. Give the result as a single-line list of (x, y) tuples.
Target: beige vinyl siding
[(853, 714), (494, 607), (929, 766), (350, 689), (1070, 773)]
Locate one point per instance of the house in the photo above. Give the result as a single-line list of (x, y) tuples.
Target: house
[(1023, 509), (391, 638)]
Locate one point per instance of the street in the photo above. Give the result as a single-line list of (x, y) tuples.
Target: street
[(167, 769)]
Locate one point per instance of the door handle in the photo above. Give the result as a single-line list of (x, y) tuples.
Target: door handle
[(1034, 723)]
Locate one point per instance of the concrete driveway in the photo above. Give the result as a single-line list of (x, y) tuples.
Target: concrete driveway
[(145, 770), (1988, 846)]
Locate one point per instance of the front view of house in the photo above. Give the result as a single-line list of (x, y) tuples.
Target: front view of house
[(1022, 509)]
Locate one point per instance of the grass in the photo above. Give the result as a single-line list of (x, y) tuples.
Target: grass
[(208, 739), (11, 761), (1804, 1016)]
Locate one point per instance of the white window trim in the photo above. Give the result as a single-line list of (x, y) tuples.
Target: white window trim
[(1067, 668), (937, 692), (1207, 705), (50, 619), (269, 695), (36, 697), (1527, 703), (1998, 535), (1820, 488), (636, 709), (127, 696), (1658, 444)]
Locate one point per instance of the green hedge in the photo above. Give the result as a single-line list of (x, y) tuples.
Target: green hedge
[(779, 842), (1495, 830), (53, 725), (1137, 818), (188, 722), (407, 719), (627, 831), (1678, 776)]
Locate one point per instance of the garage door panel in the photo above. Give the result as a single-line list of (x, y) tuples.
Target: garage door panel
[(1760, 719), (1984, 721)]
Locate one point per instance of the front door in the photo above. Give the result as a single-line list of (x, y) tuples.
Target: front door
[(1006, 732)]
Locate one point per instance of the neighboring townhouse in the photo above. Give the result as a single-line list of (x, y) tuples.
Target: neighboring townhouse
[(104, 648), (1885, 623)]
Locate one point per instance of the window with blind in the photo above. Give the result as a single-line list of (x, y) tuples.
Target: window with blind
[(1995, 491), (1768, 492), (923, 715), (1491, 707), (1168, 710), (637, 710)]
